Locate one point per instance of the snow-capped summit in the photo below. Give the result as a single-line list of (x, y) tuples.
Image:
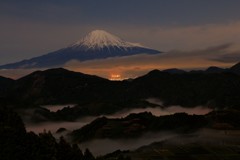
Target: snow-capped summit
[(98, 39), (98, 44)]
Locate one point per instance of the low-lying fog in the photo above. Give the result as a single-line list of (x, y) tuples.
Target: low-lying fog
[(157, 111), (204, 136), (55, 108), (96, 146), (104, 146)]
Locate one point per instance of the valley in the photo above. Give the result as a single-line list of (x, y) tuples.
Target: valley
[(141, 117)]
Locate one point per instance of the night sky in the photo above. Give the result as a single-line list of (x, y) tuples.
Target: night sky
[(182, 28)]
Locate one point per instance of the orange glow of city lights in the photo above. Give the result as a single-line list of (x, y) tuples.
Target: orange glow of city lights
[(115, 77)]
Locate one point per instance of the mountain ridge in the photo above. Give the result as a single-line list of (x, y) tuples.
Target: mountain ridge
[(96, 45), (60, 86)]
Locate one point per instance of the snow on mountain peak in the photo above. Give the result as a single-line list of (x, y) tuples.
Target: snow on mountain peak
[(99, 39)]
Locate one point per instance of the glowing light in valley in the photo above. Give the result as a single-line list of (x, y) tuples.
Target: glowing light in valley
[(116, 77)]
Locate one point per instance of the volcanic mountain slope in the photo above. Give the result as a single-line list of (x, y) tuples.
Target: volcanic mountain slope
[(98, 44)]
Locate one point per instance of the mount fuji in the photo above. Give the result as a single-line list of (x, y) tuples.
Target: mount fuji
[(97, 44)]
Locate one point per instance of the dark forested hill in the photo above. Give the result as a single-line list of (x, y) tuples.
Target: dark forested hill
[(56, 86), (5, 84), (60, 86), (135, 125), (17, 144), (190, 89)]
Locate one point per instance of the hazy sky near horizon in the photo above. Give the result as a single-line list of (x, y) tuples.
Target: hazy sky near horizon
[(31, 28)]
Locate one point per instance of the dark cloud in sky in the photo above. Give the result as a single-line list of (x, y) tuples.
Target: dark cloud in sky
[(124, 11), (208, 52), (228, 58)]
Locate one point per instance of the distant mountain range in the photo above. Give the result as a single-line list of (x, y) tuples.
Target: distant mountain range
[(98, 44), (213, 69), (98, 95)]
